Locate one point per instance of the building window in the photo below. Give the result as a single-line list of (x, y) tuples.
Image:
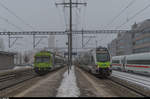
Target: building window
[(146, 31), (140, 50), (144, 40), (137, 34)]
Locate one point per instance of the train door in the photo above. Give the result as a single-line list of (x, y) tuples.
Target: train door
[(123, 61), (53, 60)]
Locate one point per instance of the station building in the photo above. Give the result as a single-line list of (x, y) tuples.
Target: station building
[(6, 60), (124, 44)]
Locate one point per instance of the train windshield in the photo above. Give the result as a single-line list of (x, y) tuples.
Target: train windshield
[(102, 57), (42, 59)]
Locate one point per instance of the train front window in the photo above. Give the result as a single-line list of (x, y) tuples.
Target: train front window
[(42, 59), (102, 57), (46, 59), (38, 60)]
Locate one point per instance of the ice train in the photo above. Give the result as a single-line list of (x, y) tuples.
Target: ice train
[(137, 63)]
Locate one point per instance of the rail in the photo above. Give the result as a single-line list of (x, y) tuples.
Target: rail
[(12, 77), (132, 85), (137, 84)]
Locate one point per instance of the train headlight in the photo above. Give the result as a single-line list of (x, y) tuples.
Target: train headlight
[(110, 65), (97, 66)]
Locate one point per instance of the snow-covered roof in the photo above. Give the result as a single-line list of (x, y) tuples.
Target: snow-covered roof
[(7, 53)]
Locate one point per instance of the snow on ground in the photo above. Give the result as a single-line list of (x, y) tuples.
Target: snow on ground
[(68, 87), (137, 79), (16, 68), (20, 67)]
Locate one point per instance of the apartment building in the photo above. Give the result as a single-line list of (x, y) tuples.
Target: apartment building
[(141, 40), (130, 43)]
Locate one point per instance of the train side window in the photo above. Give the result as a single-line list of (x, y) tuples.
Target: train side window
[(141, 62), (123, 60), (115, 61)]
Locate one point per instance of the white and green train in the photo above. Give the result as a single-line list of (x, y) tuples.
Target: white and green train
[(96, 61)]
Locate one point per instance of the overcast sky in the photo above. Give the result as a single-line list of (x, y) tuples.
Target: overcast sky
[(44, 15)]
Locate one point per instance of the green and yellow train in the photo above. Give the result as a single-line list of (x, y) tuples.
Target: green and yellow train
[(46, 61), (96, 61)]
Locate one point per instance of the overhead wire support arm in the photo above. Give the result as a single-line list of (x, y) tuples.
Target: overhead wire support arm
[(73, 3), (9, 40), (87, 42), (35, 33), (90, 38), (74, 32), (35, 44)]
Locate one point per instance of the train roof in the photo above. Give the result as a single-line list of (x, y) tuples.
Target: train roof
[(140, 56), (47, 53), (117, 57), (43, 53), (98, 48)]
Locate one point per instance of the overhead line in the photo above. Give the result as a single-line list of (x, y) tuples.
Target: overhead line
[(122, 11), (136, 14), (14, 14), (6, 20)]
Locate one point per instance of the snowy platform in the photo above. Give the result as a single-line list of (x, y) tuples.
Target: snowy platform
[(68, 87)]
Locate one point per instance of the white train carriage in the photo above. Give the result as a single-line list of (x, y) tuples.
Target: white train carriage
[(118, 62), (138, 63)]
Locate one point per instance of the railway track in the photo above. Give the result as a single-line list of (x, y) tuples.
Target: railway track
[(145, 92), (14, 77), (138, 84), (24, 86), (139, 81), (133, 87)]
